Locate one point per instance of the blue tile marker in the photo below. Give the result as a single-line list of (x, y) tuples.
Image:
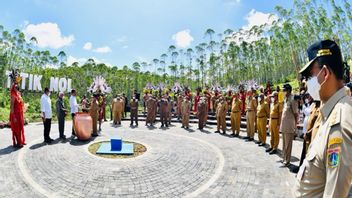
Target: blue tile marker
[(116, 146), (116, 143)]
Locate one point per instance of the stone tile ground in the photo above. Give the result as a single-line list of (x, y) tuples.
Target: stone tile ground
[(178, 163)]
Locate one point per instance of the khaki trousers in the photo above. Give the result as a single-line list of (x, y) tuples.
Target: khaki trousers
[(250, 116), (287, 139)]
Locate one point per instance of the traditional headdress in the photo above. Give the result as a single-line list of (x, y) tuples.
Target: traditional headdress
[(177, 88), (99, 86), (15, 76)]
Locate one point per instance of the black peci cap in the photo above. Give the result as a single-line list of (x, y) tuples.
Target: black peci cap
[(327, 48), (287, 87)]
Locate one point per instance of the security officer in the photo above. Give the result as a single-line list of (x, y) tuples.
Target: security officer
[(251, 110), (263, 114), (274, 123), (327, 169), (289, 122), (236, 115)]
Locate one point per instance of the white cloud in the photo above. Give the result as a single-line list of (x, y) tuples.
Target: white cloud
[(104, 49), (88, 46), (125, 47), (48, 35), (259, 18), (183, 38), (253, 18)]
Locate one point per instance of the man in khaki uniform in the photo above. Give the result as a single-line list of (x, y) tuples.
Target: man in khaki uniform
[(94, 113), (151, 110), (289, 121), (327, 169), (185, 110), (221, 111), (201, 112), (134, 111), (274, 123), (179, 104), (251, 109), (263, 113), (117, 106), (236, 110)]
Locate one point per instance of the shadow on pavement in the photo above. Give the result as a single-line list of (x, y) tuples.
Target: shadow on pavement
[(77, 142), (9, 149)]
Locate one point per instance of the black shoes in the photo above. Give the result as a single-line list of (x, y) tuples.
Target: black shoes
[(63, 137), (49, 140), (268, 150), (272, 152), (249, 139)]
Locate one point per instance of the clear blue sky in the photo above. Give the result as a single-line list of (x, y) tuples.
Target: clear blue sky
[(121, 32)]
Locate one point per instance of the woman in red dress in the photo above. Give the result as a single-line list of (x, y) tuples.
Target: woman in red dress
[(16, 117)]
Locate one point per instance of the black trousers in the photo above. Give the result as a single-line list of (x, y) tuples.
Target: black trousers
[(47, 127), (73, 129), (61, 120)]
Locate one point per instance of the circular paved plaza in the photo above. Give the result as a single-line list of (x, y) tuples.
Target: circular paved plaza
[(177, 163)]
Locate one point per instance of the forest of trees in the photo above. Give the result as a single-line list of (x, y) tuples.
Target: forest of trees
[(270, 52)]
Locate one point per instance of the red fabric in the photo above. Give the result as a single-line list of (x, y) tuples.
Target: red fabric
[(243, 98), (16, 118), (196, 100)]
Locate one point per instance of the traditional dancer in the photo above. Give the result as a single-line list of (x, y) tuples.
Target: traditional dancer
[(17, 110)]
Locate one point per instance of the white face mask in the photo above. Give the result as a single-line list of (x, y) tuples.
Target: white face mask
[(272, 100), (259, 99), (314, 87), (306, 101)]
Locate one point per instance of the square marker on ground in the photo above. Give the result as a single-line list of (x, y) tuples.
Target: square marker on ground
[(105, 148)]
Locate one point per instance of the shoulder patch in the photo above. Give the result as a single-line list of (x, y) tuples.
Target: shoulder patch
[(333, 157), (335, 140)]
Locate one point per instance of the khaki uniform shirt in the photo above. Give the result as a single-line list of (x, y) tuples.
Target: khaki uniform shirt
[(263, 110), (236, 106), (288, 120), (276, 110), (251, 104), (327, 169), (221, 109)]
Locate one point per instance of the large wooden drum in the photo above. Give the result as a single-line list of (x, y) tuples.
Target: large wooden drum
[(83, 126)]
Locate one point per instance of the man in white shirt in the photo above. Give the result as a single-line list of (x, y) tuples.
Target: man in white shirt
[(45, 108), (74, 108)]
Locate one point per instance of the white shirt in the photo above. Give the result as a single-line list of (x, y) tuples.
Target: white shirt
[(73, 104), (306, 111), (45, 106)]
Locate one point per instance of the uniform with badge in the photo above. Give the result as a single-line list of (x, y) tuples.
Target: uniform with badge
[(236, 116), (274, 124), (263, 113), (327, 169), (288, 125), (251, 109), (221, 111)]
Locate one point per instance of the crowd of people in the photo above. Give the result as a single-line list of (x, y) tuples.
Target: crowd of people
[(322, 105)]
